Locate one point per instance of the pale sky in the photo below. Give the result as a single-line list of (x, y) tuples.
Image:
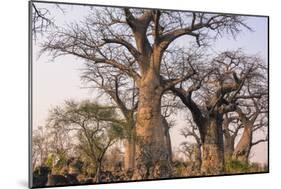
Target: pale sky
[(58, 80)]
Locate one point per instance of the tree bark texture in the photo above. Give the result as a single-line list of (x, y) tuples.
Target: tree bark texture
[(213, 148), (151, 149), (242, 150), (228, 148), (129, 156)]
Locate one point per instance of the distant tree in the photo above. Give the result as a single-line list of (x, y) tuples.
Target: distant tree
[(192, 147), (60, 147), (93, 126), (40, 146)]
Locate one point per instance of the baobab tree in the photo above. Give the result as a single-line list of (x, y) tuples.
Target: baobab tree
[(220, 89), (144, 35), (246, 142), (248, 122), (253, 115), (251, 111)]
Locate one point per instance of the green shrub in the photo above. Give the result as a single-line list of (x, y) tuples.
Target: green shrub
[(49, 161), (56, 166), (236, 166)]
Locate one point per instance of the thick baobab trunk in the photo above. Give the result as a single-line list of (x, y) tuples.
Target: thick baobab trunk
[(129, 157), (151, 148), (242, 150), (213, 149), (229, 140), (228, 147)]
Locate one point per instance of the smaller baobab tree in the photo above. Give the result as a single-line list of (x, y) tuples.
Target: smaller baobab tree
[(216, 90), (240, 127), (251, 111), (254, 119), (91, 124)]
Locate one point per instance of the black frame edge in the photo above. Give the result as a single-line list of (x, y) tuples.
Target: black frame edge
[(30, 97)]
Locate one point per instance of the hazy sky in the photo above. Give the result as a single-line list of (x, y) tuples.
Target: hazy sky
[(58, 80)]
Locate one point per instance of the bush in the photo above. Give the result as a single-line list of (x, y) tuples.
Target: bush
[(236, 166), (56, 166), (180, 169)]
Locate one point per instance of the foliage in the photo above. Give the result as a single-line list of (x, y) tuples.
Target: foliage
[(49, 161), (179, 169), (94, 127), (236, 166)]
